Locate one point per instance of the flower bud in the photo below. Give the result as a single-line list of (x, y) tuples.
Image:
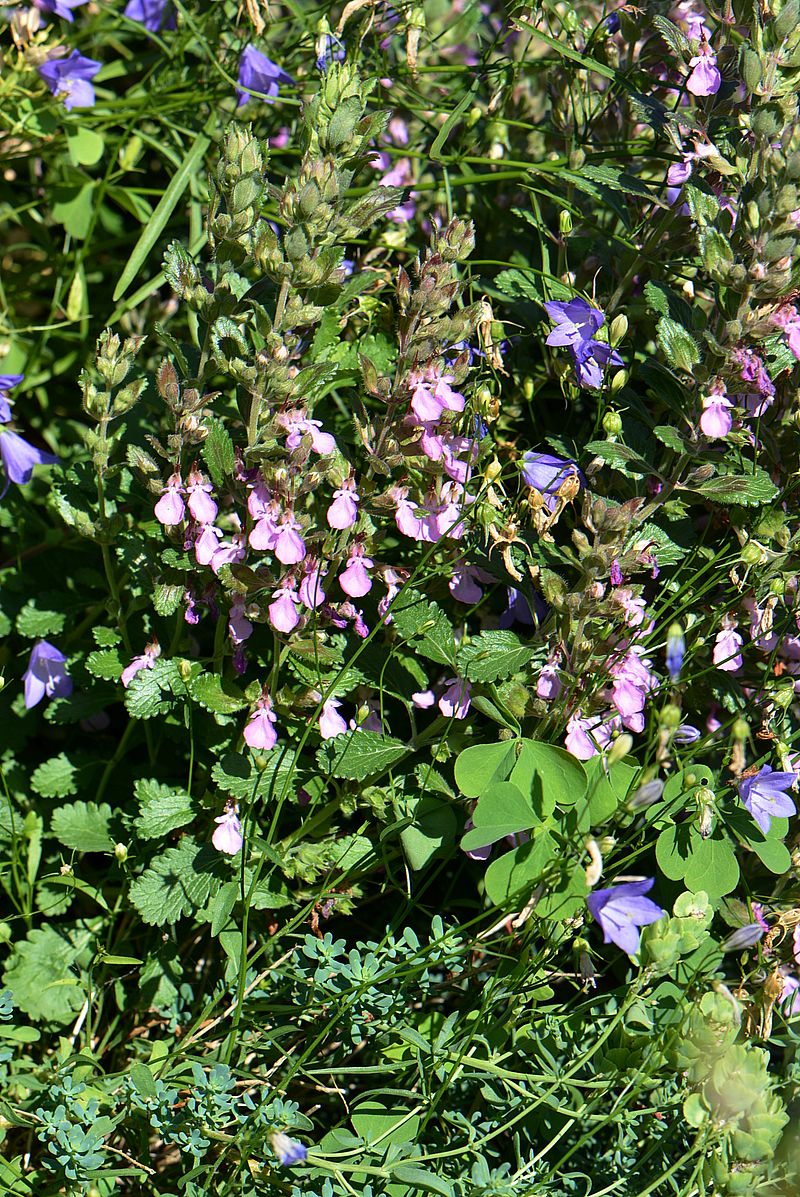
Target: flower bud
[(620, 748), (752, 553), (5, 933), (565, 222), (742, 937), (646, 795), (121, 852), (528, 387), (740, 729), (612, 423), (618, 329), (670, 716), (618, 380), (473, 116)]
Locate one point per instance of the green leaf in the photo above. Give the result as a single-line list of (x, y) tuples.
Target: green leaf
[(380, 1127), (421, 1178), (73, 209), (712, 867), (773, 854), (164, 209), (41, 978), (85, 147), (237, 776), (37, 624), (501, 810), (106, 637), (679, 347), (105, 663), (179, 881), (670, 437), (167, 598), (214, 694), (432, 832), (221, 906), (218, 452), (513, 876), (153, 691), (493, 655), (162, 809), (747, 490), (417, 619), (483, 764), (359, 754), (621, 458), (548, 776), (55, 778), (83, 826)]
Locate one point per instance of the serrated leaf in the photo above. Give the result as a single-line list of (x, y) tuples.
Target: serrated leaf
[(37, 624), (663, 548), (214, 694), (237, 776), (359, 754), (179, 881), (679, 346), (83, 826), (167, 598), (670, 437), (672, 36), (493, 655), (747, 490), (105, 663), (153, 691), (621, 458), (55, 778), (106, 637), (424, 623), (218, 452), (41, 978), (162, 809)]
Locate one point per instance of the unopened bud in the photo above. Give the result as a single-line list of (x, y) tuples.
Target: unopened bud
[(618, 329), (670, 716), (743, 937), (473, 116), (620, 748), (565, 222), (493, 470), (528, 387), (618, 380), (5, 933), (612, 423), (740, 729), (121, 852), (646, 795)]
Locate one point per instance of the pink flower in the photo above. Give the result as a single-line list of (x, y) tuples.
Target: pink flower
[(463, 585), (716, 420), (297, 424), (239, 625), (788, 319), (290, 547), (331, 722), (207, 544), (264, 534), (423, 699), (283, 614), (615, 577), (228, 837), (354, 579), (586, 737), (726, 655), (202, 507), (705, 79), (170, 509), (343, 511), (260, 730), (455, 701), (228, 554), (411, 524), (146, 661), (548, 685), (310, 589), (259, 499), (394, 579)]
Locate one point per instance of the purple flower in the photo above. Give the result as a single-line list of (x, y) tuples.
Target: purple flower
[(764, 795), (7, 383), (621, 910), (260, 729), (153, 14), (743, 937), (61, 8), (705, 78), (576, 321), (228, 837), (46, 674), (68, 79), (19, 458), (331, 722), (330, 48), (591, 358), (676, 649), (547, 474), (259, 74), (289, 1151)]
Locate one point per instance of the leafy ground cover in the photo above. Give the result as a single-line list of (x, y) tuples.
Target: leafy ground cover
[(399, 600)]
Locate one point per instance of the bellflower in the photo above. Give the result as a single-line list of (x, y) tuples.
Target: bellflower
[(46, 675), (576, 321), (455, 701), (621, 910), (19, 458), (153, 14), (60, 8), (764, 795), (259, 74), (591, 359), (228, 837), (68, 79), (7, 383), (547, 474), (330, 48)]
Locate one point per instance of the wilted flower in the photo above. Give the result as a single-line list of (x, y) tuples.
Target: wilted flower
[(19, 458), (46, 674), (259, 74), (228, 837), (68, 79), (764, 795), (621, 910)]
